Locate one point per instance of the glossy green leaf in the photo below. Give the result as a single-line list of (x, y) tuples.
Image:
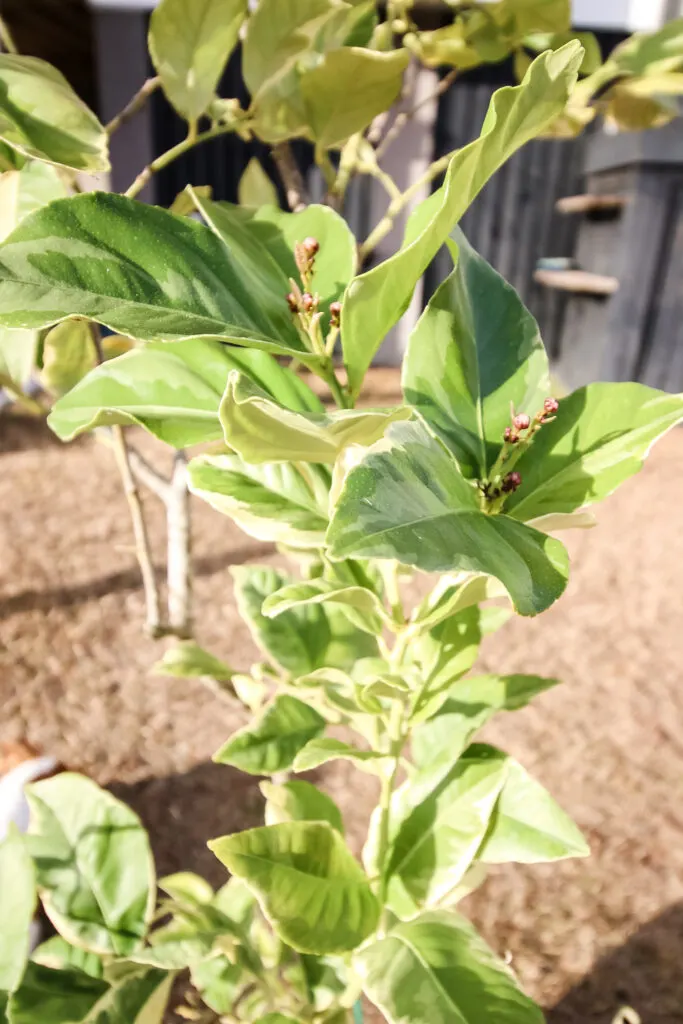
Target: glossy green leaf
[(438, 839), (42, 117), (58, 954), (600, 437), (376, 300), (68, 355), (260, 430), (93, 864), (321, 751), (187, 660), (271, 742), (17, 907), (443, 654), (454, 593), (302, 639), (271, 502), (528, 826), (255, 187), (299, 801), (309, 886), (348, 88), (406, 500), (364, 606), (17, 355), (49, 996), (174, 391), (436, 969), (189, 43), (25, 190), (137, 269), (458, 372)]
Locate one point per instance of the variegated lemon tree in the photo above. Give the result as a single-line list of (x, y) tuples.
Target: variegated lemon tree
[(468, 479)]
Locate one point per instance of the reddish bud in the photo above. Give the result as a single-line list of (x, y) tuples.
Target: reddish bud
[(511, 482), (293, 303), (521, 421), (509, 436), (550, 406), (335, 313), (307, 302), (310, 246)]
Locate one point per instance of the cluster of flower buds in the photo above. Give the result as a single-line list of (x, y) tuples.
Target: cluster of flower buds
[(522, 422), (301, 302), (511, 482), (304, 256)]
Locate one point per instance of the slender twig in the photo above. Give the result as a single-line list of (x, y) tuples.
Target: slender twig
[(148, 172), (145, 473), (6, 37), (179, 550), (292, 179), (142, 544), (137, 103), (402, 118)]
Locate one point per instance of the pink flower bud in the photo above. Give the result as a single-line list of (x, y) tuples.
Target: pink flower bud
[(310, 246), (511, 482), (521, 421), (550, 406), (335, 313), (292, 303), (307, 302)]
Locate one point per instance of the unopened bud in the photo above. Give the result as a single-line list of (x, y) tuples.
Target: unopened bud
[(521, 421), (335, 313), (550, 406), (310, 246), (307, 302), (509, 436), (511, 482), (293, 303)]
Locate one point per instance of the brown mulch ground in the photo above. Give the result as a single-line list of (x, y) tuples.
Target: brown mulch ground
[(584, 936)]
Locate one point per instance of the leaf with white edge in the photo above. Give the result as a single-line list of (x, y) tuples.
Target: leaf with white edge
[(320, 751), (528, 826), (93, 864), (173, 391), (50, 996), (600, 437), (17, 907), (218, 982), (255, 187), (436, 969), (137, 269), (42, 117), (26, 190), (299, 801), (451, 729), (502, 693), (348, 88), (442, 655), (17, 356), (186, 887), (311, 889), (437, 840), (138, 997), (58, 954), (189, 43), (454, 593), (407, 501), (260, 430), (271, 502), (177, 953), (187, 660), (302, 639), (459, 375), (277, 32), (68, 355), (377, 299), (555, 522), (271, 742), (369, 612)]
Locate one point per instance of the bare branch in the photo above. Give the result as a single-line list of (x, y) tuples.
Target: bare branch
[(179, 551), (292, 179), (402, 118), (145, 473)]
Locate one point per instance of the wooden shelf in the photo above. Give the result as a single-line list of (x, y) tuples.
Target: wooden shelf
[(595, 204), (581, 282)]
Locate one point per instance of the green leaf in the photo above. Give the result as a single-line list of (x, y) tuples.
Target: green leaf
[(137, 269), (299, 801), (25, 190), (187, 660), (302, 639), (348, 88), (174, 391), (93, 863), (270, 743), (271, 502), (309, 886), (366, 609), (321, 751), (528, 827), (277, 32), (48, 996), (138, 997), (42, 117), (649, 53), (443, 655), (406, 500), (68, 355), (17, 907), (260, 430), (255, 187), (437, 970), (17, 355), (502, 693), (58, 954), (453, 594), (376, 300), (217, 981), (277, 1018), (439, 836), (189, 43), (600, 437), (177, 953), (460, 373), (186, 887)]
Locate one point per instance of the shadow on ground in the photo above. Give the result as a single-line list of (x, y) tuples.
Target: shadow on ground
[(646, 973)]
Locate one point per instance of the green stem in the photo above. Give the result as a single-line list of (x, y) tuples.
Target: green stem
[(136, 104), (396, 743), (327, 374), (7, 38), (172, 154)]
